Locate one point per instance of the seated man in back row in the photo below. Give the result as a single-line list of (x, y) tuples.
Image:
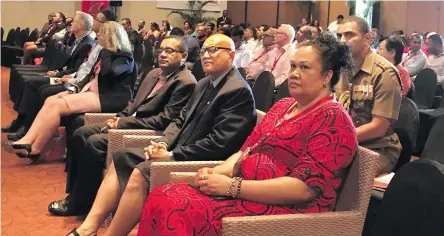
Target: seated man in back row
[(163, 94), (372, 96), (213, 125)]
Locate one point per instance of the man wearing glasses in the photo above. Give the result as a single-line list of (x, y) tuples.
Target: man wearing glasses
[(262, 55), (278, 64), (213, 125), (162, 95)]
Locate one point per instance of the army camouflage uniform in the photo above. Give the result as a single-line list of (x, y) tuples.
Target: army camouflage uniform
[(374, 90)]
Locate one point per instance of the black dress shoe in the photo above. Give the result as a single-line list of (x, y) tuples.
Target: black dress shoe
[(21, 132), (65, 207), (13, 127)]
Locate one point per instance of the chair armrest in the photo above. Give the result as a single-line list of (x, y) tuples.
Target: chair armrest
[(138, 141), (115, 139), (432, 113), (160, 171), (182, 177), (348, 223), (94, 118)]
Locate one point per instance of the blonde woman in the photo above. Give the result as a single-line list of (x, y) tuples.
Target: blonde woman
[(107, 89)]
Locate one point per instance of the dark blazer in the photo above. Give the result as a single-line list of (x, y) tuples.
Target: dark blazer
[(158, 111), (220, 19), (77, 56), (193, 49), (115, 80), (52, 31), (222, 126), (134, 37)]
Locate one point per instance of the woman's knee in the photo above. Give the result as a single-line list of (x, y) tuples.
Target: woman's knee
[(136, 182)]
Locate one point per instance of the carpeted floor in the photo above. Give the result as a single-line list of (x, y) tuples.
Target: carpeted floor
[(26, 189)]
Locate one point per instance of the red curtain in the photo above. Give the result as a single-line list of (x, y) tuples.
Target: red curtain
[(93, 7)]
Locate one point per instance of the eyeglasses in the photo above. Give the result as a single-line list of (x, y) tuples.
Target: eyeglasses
[(167, 51), (211, 50)]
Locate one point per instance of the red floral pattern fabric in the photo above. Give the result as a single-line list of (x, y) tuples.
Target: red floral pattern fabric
[(316, 147)]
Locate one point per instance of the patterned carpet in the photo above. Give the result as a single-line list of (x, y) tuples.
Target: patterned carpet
[(27, 189)]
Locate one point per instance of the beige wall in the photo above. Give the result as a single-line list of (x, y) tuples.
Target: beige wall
[(32, 14), (412, 16)]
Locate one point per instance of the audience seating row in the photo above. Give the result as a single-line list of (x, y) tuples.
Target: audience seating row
[(12, 48)]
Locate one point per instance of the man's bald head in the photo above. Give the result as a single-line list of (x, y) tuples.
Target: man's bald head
[(268, 37), (219, 40), (217, 55), (304, 33)]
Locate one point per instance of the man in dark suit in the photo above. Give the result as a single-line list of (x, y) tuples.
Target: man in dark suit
[(193, 46), (133, 36), (27, 103), (163, 94), (224, 19), (213, 125), (37, 48)]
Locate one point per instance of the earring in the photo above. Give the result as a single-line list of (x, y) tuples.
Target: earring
[(325, 85)]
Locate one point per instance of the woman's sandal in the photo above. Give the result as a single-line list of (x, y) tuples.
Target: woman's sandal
[(75, 233)]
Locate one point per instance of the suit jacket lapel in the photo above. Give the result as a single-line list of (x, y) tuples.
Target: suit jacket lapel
[(146, 90), (167, 83)]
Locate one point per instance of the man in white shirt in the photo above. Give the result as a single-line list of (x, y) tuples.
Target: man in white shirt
[(243, 55), (279, 63), (333, 27), (250, 38), (262, 55), (415, 60), (436, 59)]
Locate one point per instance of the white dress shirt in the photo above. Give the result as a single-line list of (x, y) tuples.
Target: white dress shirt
[(252, 45), (436, 63), (279, 63), (242, 57)]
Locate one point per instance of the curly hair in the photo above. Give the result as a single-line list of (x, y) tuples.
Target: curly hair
[(334, 56)]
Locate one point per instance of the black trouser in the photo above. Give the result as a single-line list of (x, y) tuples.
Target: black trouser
[(88, 160), (30, 54)]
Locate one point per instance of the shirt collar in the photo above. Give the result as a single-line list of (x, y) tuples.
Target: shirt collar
[(241, 48), (369, 61), (217, 81), (163, 77), (80, 39)]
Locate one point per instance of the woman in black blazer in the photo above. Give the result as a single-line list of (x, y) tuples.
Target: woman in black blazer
[(107, 88)]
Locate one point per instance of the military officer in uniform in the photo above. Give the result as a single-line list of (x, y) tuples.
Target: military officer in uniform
[(372, 95)]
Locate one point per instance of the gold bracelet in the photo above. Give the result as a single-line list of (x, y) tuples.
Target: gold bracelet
[(231, 187), (239, 187)]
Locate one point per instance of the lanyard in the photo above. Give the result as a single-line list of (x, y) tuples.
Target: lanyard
[(97, 67), (276, 59), (260, 56), (320, 104)]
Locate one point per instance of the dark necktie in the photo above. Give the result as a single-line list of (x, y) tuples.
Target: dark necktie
[(206, 99)]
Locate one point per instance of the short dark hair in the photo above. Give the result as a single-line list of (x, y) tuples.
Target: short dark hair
[(227, 31), (266, 27), (253, 30), (334, 55), (155, 26), (212, 25), (167, 25), (109, 15), (363, 26), (177, 31), (340, 17), (63, 16), (436, 39), (418, 36), (237, 32), (395, 45), (128, 21), (183, 46)]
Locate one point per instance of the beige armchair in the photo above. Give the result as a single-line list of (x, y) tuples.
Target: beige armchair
[(347, 220)]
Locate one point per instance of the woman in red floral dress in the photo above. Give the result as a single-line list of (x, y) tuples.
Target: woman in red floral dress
[(295, 161)]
